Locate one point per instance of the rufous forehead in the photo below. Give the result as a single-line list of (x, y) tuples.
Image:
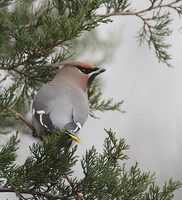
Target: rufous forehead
[(86, 65), (76, 64)]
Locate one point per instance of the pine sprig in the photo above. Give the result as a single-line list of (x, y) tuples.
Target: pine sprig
[(102, 171), (38, 36), (154, 31), (135, 183), (44, 175), (167, 192), (8, 155), (114, 6), (96, 102), (4, 3), (105, 179), (156, 18), (52, 158), (114, 147)]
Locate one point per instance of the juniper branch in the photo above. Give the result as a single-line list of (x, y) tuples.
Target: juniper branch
[(173, 5), (18, 116), (155, 29), (35, 193), (78, 196)]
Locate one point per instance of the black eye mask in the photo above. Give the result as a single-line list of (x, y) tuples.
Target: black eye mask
[(86, 70)]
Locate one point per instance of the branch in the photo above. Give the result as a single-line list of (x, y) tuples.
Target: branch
[(13, 68), (151, 8), (156, 28), (78, 195), (24, 74), (18, 116), (35, 193)]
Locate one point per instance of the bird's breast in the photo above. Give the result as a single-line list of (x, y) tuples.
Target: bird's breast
[(69, 106)]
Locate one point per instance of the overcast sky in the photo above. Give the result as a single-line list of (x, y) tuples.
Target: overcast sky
[(152, 125)]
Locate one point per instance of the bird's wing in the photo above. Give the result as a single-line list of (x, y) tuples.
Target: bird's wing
[(42, 106), (72, 129), (44, 119)]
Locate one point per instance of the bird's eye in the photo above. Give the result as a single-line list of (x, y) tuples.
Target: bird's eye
[(85, 70)]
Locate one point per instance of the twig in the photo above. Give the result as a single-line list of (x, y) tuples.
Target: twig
[(35, 192), (158, 6), (25, 74), (18, 116), (78, 195)]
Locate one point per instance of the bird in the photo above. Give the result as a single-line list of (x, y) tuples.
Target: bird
[(63, 102)]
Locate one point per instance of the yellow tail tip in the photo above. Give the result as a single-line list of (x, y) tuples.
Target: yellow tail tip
[(76, 139)]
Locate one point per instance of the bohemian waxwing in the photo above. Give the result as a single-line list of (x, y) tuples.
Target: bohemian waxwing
[(63, 102)]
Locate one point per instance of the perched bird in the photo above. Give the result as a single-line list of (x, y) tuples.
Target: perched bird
[(63, 102)]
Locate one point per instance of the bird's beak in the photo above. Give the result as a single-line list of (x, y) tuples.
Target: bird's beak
[(96, 72)]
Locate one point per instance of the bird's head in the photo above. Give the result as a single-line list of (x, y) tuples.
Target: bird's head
[(81, 72)]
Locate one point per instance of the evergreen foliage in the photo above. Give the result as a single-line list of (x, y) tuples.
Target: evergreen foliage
[(45, 174), (33, 39)]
